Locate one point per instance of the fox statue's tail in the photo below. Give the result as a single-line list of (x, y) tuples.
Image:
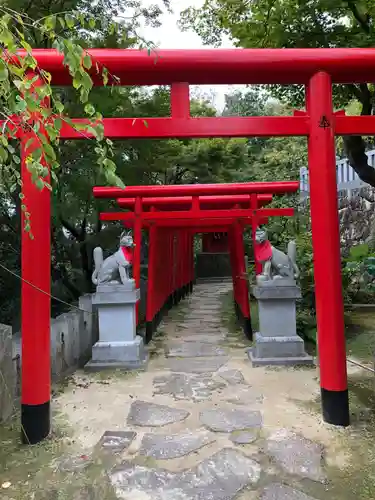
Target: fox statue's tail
[(292, 254), (98, 261)]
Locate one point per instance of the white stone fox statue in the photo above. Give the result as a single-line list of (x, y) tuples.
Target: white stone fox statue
[(276, 264), (115, 268)]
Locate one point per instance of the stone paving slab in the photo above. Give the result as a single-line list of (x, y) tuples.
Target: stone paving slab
[(193, 350), (154, 415), (220, 477), (187, 386), (116, 441), (296, 455), (281, 492), (167, 446), (243, 437), (196, 365), (232, 377), (243, 395), (229, 420), (204, 338)]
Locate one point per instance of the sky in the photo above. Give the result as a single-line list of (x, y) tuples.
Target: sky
[(168, 36)]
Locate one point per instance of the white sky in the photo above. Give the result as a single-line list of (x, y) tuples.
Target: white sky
[(168, 36)]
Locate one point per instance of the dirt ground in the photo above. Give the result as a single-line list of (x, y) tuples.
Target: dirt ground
[(88, 405)]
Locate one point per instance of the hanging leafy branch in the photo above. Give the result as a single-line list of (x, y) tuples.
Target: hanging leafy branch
[(29, 105)]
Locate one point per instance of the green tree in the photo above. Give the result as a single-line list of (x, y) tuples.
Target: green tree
[(291, 23), (70, 26)]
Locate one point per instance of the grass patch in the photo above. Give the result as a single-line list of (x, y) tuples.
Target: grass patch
[(357, 480), (228, 315), (33, 471), (360, 333), (362, 346)]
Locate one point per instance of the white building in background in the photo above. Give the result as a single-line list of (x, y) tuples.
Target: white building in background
[(347, 179)]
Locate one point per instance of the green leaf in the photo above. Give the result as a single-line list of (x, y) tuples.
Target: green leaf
[(49, 151), (105, 76), (20, 105), (52, 132), (36, 154), (86, 81), (3, 154), (109, 164), (50, 23), (89, 109), (39, 184), (145, 123), (87, 62), (91, 130), (59, 106), (70, 21), (3, 71), (57, 123)]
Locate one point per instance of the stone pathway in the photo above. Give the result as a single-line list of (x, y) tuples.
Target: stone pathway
[(201, 423)]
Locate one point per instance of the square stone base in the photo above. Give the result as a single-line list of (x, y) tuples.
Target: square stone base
[(279, 351), (130, 355)]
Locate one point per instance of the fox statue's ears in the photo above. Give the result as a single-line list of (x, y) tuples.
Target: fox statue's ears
[(125, 233)]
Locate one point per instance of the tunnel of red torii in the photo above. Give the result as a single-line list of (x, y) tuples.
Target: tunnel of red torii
[(315, 69), (172, 223)]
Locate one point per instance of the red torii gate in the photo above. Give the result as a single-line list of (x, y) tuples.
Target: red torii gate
[(205, 202), (317, 70), (195, 214)]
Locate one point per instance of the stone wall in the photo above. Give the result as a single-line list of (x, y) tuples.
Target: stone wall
[(72, 337), (7, 374), (357, 219)]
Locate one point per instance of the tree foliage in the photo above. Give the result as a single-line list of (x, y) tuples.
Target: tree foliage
[(297, 24), (76, 228)]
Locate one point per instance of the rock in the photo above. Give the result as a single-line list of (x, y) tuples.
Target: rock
[(194, 350), (116, 441), (220, 477), (243, 437), (187, 386), (229, 420), (233, 377), (154, 415), (242, 395), (166, 446), (199, 365), (296, 455), (281, 492)]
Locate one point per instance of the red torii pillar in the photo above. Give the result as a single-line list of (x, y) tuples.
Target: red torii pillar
[(327, 257), (35, 301)]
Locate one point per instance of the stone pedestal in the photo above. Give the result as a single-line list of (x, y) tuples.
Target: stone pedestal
[(119, 347), (277, 343)]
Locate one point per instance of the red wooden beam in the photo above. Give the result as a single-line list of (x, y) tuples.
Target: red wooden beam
[(200, 216), (354, 125), (159, 128), (198, 189), (168, 203), (218, 66)]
